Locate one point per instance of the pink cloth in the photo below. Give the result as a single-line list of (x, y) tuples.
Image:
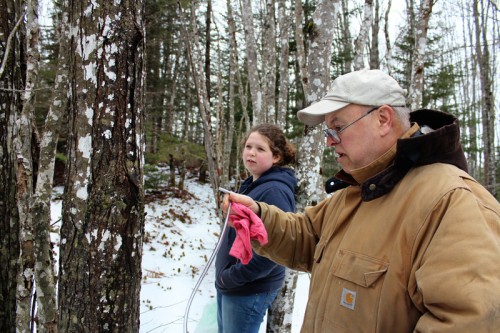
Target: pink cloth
[(248, 226)]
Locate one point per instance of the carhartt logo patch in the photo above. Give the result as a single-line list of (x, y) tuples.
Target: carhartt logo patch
[(348, 299)]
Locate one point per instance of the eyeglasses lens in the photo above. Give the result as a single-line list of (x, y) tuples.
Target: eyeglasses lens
[(332, 134)]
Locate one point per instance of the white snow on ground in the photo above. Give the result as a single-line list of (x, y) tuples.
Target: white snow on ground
[(180, 236)]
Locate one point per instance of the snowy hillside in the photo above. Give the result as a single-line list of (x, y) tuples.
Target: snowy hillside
[(181, 232)]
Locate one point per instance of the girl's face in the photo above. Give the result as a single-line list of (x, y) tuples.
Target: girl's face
[(257, 155)]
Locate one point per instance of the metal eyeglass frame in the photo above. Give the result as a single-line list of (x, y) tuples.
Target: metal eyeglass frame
[(334, 134)]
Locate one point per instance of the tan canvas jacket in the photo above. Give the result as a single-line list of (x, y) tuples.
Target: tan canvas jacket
[(424, 257)]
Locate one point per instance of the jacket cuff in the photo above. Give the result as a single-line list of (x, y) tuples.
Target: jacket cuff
[(260, 209)]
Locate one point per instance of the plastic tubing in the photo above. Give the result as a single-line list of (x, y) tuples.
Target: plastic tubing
[(210, 260)]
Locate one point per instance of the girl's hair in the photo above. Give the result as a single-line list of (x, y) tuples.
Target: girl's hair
[(278, 143)]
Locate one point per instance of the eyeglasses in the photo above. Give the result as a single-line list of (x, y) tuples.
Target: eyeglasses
[(334, 134)]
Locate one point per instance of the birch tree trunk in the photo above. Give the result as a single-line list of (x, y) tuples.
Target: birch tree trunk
[(417, 72), (12, 77), (242, 94), (470, 101), (195, 60), (362, 39), (301, 46), (388, 53), (487, 100), (103, 208), (244, 123), (314, 70), (284, 33), (280, 315), (269, 65), (310, 187), (25, 174), (347, 46), (56, 117), (228, 131), (252, 67), (374, 50)]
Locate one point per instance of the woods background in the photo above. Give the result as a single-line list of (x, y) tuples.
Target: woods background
[(99, 92)]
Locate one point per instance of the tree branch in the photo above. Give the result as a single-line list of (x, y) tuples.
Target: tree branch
[(9, 42)]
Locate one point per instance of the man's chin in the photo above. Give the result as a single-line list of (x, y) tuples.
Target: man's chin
[(345, 168), (341, 162)]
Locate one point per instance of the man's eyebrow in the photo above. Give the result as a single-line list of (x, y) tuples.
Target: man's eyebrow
[(332, 120)]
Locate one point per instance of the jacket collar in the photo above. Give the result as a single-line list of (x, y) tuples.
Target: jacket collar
[(413, 149)]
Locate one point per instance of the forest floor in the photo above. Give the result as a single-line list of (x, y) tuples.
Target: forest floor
[(181, 232)]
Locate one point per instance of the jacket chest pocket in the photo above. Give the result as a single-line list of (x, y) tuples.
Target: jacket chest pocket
[(359, 268), (356, 292)]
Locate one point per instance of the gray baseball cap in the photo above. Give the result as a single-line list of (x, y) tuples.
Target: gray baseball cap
[(363, 87)]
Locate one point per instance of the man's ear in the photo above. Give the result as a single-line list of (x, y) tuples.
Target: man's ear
[(385, 116)]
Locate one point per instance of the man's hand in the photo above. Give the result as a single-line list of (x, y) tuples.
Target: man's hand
[(242, 199)]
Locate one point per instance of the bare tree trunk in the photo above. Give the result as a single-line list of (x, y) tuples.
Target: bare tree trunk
[(487, 100), (301, 49), (473, 160), (103, 208), (25, 174), (417, 72), (56, 117), (388, 53), (310, 187), (269, 64), (12, 77), (284, 28), (172, 89), (233, 77), (222, 128), (245, 123), (346, 37), (225, 126), (374, 50), (242, 88), (155, 94), (362, 39), (187, 110), (256, 92), (279, 318), (280, 315), (315, 80), (194, 55), (408, 54), (208, 41)]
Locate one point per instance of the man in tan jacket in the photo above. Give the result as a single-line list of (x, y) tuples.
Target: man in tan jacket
[(412, 244)]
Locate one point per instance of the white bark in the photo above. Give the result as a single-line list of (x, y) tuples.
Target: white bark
[(22, 146), (195, 59), (480, 11), (388, 53), (56, 117), (310, 187), (362, 39), (284, 28), (256, 91), (417, 71), (269, 64)]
